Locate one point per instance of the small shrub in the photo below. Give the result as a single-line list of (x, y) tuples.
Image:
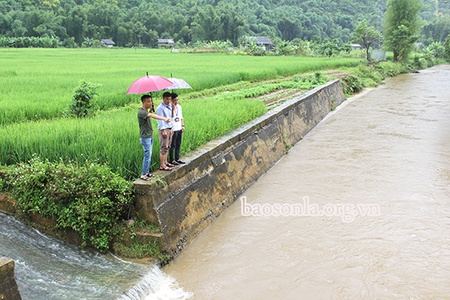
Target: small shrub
[(81, 103), (310, 81), (447, 48), (437, 49), (127, 245), (371, 73), (352, 84), (138, 250), (388, 69)]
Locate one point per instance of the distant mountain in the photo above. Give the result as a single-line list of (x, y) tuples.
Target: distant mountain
[(142, 22)]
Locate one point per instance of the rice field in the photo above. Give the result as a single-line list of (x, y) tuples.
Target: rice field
[(37, 85)]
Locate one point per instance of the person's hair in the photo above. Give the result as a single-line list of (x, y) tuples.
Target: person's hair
[(167, 94), (144, 97), (174, 95)]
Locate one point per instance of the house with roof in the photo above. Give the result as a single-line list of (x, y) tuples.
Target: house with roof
[(263, 41), (108, 43), (355, 46), (165, 43)]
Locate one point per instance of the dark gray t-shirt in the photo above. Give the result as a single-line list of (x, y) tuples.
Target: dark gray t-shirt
[(145, 124)]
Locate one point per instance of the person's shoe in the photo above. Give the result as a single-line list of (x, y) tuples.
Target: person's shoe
[(174, 162), (180, 162), (150, 175), (170, 165), (145, 177)]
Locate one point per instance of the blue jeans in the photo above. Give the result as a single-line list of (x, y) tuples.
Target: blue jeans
[(147, 144)]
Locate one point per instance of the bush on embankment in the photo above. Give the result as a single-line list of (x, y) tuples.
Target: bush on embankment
[(371, 75), (87, 198)]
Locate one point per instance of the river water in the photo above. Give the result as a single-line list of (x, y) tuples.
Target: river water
[(360, 208), (46, 268)]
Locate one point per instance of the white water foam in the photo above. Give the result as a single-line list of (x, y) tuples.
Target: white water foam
[(156, 285)]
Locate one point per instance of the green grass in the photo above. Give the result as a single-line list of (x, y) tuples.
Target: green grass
[(39, 83), (36, 87), (112, 137)]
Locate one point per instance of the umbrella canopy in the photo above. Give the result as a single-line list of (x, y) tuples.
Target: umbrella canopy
[(178, 84), (149, 84)]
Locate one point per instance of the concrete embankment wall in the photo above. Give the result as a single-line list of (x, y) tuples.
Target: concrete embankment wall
[(8, 285), (218, 172)]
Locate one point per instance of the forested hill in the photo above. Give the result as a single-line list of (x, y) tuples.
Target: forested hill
[(142, 22)]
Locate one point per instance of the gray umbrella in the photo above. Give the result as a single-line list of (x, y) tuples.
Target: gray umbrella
[(178, 84)]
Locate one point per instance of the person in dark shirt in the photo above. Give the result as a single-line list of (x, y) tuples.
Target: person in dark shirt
[(145, 113)]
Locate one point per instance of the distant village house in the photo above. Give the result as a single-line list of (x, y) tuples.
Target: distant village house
[(165, 43), (263, 41), (107, 43), (356, 46)]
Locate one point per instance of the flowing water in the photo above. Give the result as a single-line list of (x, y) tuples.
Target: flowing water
[(46, 268), (360, 208)]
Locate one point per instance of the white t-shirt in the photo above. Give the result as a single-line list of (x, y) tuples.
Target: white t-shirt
[(177, 116)]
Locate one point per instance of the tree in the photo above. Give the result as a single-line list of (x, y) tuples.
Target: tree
[(366, 35), (139, 30), (230, 25), (76, 24), (447, 48), (437, 30), (288, 29), (205, 20), (18, 29), (401, 27)]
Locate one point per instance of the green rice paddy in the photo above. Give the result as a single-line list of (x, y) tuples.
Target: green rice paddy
[(37, 85)]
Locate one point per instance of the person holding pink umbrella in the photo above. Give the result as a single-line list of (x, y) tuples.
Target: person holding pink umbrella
[(144, 115)]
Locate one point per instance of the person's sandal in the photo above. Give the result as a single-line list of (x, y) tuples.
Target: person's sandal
[(150, 175), (165, 168), (145, 177), (170, 165)]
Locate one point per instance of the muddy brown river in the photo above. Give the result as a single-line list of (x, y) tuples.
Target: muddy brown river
[(359, 209)]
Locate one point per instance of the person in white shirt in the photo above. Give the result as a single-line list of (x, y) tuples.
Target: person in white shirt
[(178, 129)]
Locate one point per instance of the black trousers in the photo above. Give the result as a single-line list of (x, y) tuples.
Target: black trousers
[(174, 151)]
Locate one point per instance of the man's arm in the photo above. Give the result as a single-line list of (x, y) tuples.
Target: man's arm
[(159, 114), (155, 116)]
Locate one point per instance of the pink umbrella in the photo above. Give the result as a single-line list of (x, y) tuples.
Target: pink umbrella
[(149, 84)]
